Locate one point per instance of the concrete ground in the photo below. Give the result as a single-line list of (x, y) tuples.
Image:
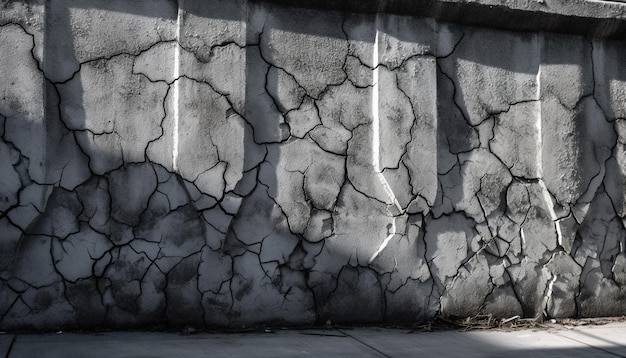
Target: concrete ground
[(559, 341)]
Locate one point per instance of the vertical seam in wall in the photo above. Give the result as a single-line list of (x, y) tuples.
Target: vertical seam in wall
[(179, 20), (546, 194), (375, 114), (539, 116), (376, 144), (44, 84)]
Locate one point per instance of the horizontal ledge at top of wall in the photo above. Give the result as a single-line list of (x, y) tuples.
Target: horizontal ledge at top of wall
[(593, 18)]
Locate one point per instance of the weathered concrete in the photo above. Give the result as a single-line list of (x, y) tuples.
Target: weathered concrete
[(596, 18), (558, 341), (226, 163)]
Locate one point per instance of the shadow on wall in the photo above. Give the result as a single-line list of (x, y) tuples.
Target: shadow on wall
[(488, 106), (536, 113), (219, 168)]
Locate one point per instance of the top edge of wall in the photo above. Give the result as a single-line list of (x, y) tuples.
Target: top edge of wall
[(594, 18)]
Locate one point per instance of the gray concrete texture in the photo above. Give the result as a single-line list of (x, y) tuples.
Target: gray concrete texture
[(558, 341), (597, 18), (227, 163)]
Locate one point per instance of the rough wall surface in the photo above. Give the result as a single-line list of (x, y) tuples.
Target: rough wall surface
[(231, 163)]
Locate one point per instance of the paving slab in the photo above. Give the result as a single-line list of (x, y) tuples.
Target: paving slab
[(138, 344), (489, 343), (610, 338)]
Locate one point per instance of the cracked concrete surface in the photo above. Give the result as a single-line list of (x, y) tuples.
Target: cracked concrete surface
[(228, 163)]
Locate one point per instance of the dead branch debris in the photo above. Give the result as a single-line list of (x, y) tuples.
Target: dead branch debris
[(489, 321)]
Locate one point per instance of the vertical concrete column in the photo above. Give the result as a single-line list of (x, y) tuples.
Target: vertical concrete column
[(99, 114), (488, 96), (206, 142), (577, 139), (405, 111), (115, 113), (22, 106), (404, 157), (293, 57), (381, 113), (599, 247), (571, 124), (22, 133)]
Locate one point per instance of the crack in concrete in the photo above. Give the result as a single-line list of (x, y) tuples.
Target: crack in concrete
[(135, 263)]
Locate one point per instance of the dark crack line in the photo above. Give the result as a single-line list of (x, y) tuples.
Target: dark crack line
[(13, 339), (276, 101), (32, 36), (454, 94), (430, 263), (323, 91), (132, 54), (601, 171), (164, 106), (512, 284), (596, 347), (407, 59), (594, 84), (453, 48), (232, 107), (270, 64), (211, 49), (364, 343), (345, 155)]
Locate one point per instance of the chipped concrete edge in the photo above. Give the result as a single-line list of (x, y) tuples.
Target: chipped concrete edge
[(594, 18)]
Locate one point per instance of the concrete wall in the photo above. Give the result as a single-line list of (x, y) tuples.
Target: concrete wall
[(232, 163)]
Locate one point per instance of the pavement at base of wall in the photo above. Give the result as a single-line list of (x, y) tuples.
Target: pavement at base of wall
[(558, 340)]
